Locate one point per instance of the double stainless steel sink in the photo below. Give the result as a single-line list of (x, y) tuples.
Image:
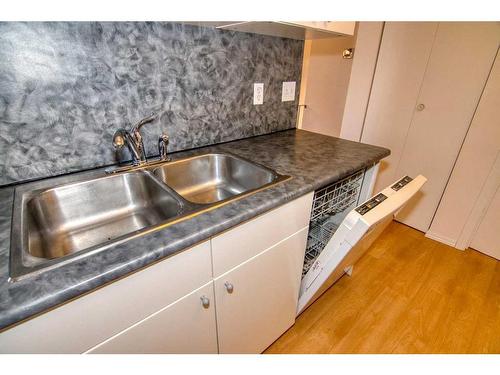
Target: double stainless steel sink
[(56, 224)]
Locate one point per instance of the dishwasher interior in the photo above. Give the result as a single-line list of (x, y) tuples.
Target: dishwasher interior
[(331, 204)]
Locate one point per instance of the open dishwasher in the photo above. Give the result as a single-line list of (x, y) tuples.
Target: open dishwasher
[(341, 229)]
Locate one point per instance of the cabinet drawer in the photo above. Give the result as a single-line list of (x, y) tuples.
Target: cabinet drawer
[(185, 326), (89, 320), (251, 238)]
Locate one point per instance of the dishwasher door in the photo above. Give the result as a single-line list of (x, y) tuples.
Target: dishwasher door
[(353, 236)]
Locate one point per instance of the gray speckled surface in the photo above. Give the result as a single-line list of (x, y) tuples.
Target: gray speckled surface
[(312, 160), (65, 87)]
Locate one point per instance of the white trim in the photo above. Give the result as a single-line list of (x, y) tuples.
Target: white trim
[(480, 206), (442, 239)]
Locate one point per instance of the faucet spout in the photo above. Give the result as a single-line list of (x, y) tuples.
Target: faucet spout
[(144, 121), (133, 140)]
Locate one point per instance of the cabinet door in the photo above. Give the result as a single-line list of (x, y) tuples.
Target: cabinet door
[(428, 81), (185, 326), (456, 73), (93, 318), (257, 301), (404, 51)]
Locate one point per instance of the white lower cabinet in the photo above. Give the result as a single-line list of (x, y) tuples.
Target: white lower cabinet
[(84, 323), (250, 290), (185, 326), (257, 300)]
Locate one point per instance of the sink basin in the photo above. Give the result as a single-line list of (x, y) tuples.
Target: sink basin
[(71, 218), (75, 217), (213, 178), (55, 223)]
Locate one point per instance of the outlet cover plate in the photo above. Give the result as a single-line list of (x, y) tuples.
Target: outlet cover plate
[(258, 93), (288, 91)]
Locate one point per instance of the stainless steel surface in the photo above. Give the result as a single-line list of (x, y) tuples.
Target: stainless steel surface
[(133, 140), (162, 147), (132, 167), (54, 223), (229, 287), (205, 302), (214, 178), (75, 217), (122, 138)]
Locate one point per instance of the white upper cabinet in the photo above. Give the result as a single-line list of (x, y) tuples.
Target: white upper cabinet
[(300, 30)]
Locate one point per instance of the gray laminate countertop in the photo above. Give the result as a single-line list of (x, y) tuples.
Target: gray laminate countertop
[(312, 160)]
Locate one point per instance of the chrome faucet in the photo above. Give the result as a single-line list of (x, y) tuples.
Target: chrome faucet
[(133, 140), (162, 147)]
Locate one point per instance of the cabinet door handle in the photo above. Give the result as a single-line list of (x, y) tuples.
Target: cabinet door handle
[(205, 302), (229, 287)]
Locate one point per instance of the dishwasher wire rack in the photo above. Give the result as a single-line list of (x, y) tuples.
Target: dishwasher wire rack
[(329, 201), (336, 197), (320, 233)]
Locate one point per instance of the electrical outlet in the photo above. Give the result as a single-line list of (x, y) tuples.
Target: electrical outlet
[(288, 91), (258, 93)]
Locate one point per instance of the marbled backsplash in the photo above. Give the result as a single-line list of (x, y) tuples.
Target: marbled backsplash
[(65, 87)]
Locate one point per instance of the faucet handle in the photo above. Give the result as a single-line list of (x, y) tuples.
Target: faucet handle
[(162, 146), (119, 139)]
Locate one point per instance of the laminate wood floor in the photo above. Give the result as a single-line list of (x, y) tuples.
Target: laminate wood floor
[(408, 294)]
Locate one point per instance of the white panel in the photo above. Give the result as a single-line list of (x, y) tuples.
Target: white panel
[(182, 327), (461, 59), (341, 27), (404, 52), (487, 239), (369, 179), (264, 300), (293, 30), (251, 238), (86, 321), (474, 164), (327, 78), (364, 61)]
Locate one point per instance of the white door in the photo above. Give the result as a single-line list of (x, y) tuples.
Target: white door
[(256, 301), (487, 237), (185, 326), (427, 131), (404, 51), (461, 59), (324, 83)]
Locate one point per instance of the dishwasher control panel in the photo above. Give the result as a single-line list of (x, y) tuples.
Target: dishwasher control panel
[(374, 202), (401, 183)]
